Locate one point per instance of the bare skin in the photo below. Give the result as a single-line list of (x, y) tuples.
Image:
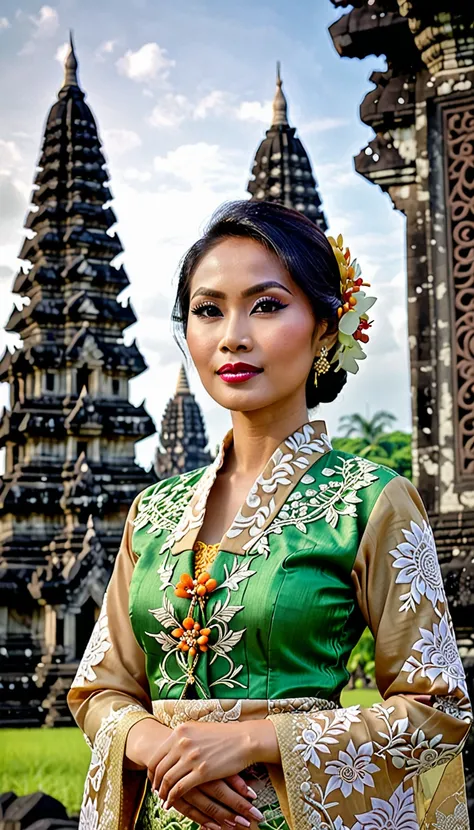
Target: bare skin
[(273, 329), (245, 307)]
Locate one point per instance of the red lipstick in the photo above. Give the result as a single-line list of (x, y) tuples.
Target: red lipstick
[(238, 372)]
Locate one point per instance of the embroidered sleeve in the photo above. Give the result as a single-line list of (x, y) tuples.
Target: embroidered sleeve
[(108, 696), (394, 764)]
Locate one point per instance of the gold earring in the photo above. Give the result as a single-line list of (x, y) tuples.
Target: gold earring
[(321, 364)]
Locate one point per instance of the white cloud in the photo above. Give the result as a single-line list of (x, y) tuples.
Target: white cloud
[(171, 111), (4, 23), (120, 141), (46, 22), (146, 64), (321, 125), (202, 165), (133, 174), (255, 111), (62, 52), (9, 154), (105, 48), (215, 101)]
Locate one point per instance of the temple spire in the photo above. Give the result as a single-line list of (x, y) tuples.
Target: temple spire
[(70, 66), (280, 104), (282, 171), (183, 439), (182, 386)]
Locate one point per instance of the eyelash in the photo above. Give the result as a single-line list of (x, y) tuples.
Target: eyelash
[(200, 309)]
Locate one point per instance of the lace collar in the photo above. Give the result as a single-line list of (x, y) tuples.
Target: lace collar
[(283, 471)]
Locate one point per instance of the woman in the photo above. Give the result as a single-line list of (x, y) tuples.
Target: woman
[(210, 688)]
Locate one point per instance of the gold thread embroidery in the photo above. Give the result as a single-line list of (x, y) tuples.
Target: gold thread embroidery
[(204, 557)]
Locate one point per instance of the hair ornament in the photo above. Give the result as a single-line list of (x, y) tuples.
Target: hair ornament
[(353, 318)]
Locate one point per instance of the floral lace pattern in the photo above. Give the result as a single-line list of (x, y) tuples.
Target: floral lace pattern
[(411, 751), (355, 767), (458, 819), (162, 506), (398, 813), (386, 735), (439, 656), (179, 507), (96, 649), (284, 466), (90, 818), (419, 567), (332, 499), (352, 770)]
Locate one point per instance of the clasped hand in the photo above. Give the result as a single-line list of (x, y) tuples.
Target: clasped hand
[(195, 768)]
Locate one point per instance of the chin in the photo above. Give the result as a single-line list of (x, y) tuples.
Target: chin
[(241, 401)]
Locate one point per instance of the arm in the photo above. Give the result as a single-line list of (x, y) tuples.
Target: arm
[(343, 766), (110, 694)]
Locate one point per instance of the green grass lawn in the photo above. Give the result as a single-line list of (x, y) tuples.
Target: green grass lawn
[(55, 760), (52, 760)]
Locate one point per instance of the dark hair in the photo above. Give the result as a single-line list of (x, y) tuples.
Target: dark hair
[(303, 250)]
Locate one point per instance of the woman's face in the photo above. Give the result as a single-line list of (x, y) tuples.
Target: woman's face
[(251, 331)]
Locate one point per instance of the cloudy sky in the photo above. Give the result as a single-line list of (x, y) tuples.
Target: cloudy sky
[(182, 94)]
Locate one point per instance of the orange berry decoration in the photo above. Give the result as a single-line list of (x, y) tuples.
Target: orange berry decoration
[(191, 636), (188, 588)]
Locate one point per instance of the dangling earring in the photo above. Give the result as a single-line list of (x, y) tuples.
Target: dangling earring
[(321, 364)]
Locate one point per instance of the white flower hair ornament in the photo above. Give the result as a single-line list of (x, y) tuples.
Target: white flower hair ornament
[(353, 318)]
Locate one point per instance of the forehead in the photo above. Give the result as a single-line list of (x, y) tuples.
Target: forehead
[(239, 260)]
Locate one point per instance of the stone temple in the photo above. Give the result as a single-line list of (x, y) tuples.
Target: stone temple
[(70, 430), (183, 438)]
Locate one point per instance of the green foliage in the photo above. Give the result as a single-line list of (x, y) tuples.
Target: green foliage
[(361, 663), (393, 449), (54, 761)]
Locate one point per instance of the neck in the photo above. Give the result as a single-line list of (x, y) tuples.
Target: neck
[(256, 435)]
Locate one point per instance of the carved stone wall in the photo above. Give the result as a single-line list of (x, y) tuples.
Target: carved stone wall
[(458, 132)]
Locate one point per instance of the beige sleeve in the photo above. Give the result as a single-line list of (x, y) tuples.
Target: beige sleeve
[(109, 694), (354, 767)]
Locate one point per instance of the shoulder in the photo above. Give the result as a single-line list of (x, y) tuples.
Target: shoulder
[(160, 504), (355, 469), (360, 481), (173, 485)]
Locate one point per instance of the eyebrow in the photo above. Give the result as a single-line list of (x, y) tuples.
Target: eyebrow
[(249, 292)]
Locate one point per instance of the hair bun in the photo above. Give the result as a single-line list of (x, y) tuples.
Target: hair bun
[(328, 388)]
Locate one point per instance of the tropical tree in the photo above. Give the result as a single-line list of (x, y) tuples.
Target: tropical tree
[(369, 429), (393, 450)]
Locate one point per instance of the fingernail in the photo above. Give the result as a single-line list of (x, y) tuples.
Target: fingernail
[(251, 792), (242, 821), (229, 823), (256, 814)]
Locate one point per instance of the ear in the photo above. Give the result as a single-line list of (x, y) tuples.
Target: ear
[(326, 335)]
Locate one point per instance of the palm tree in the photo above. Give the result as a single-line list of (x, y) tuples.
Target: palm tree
[(370, 430)]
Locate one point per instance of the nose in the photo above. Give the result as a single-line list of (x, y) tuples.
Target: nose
[(236, 336)]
